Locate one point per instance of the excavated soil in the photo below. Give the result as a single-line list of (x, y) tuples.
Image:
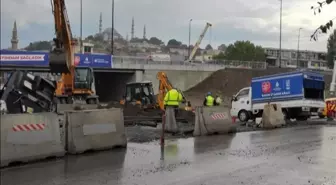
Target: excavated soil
[(227, 82)]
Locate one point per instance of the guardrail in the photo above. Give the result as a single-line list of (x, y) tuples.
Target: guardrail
[(123, 62)]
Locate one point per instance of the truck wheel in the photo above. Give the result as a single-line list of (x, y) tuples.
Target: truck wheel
[(243, 116)]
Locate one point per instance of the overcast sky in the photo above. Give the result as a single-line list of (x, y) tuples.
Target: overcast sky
[(254, 20)]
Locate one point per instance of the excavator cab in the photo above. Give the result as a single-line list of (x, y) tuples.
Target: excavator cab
[(140, 93), (84, 78)]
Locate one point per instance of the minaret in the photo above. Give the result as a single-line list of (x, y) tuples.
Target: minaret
[(15, 39), (144, 32), (132, 29), (100, 23)]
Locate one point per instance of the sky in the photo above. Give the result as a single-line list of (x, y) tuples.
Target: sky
[(254, 20)]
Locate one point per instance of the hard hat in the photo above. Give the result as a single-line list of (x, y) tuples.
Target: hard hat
[(209, 93)]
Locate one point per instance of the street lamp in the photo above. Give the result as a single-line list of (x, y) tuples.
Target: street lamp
[(298, 49), (81, 26), (280, 51), (189, 37), (112, 31)]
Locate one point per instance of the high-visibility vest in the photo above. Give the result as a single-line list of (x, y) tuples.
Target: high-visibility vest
[(173, 97), (210, 100)]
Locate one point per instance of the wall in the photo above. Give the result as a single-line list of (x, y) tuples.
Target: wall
[(182, 80)]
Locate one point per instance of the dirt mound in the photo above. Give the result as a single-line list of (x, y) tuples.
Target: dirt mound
[(227, 82)]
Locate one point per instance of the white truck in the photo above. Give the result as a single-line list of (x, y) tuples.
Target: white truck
[(300, 94)]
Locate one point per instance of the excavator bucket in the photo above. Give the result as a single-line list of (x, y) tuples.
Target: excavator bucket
[(58, 61)]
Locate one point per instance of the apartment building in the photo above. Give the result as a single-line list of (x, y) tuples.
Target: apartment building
[(289, 58)]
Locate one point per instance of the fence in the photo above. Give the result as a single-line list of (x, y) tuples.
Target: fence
[(144, 63)]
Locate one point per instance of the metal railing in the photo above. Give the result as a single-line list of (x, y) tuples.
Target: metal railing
[(123, 61)]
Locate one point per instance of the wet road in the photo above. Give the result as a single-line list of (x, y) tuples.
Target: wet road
[(298, 156)]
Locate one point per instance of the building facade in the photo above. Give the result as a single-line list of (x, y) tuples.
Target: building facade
[(292, 58)]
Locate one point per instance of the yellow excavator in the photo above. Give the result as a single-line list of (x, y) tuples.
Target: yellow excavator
[(75, 85)]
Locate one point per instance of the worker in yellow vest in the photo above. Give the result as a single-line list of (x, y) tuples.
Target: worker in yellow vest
[(173, 98), (209, 100)]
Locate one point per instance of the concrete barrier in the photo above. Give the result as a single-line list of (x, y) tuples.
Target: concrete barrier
[(213, 120), (61, 108), (272, 116), (170, 122), (29, 137), (94, 130)]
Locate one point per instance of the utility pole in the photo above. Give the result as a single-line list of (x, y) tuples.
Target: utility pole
[(112, 31), (333, 80), (280, 51), (81, 26), (298, 49), (189, 37)]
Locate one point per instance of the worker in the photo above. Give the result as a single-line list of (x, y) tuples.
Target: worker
[(209, 100), (173, 98), (218, 100)]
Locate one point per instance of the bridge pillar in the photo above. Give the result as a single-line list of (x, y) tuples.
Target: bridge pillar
[(138, 76)]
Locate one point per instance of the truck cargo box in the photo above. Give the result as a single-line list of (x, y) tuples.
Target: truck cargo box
[(288, 86)]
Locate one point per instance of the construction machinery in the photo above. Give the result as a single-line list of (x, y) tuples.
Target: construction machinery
[(140, 100), (75, 85), (193, 52)]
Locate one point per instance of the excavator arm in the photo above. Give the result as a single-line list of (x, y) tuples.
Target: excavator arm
[(164, 87), (61, 58)]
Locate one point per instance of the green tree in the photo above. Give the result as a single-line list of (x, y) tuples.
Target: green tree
[(155, 41), (324, 28), (220, 56), (40, 45), (174, 42), (245, 51), (331, 46), (222, 47), (208, 47)]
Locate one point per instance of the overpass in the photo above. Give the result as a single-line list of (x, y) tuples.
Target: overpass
[(112, 73)]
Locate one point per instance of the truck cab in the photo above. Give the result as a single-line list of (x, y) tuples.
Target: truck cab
[(241, 104)]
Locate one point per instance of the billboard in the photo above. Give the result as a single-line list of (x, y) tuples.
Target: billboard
[(24, 58), (93, 60), (277, 88), (41, 59)]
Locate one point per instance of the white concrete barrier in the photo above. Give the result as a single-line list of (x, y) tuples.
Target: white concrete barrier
[(170, 121), (28, 137), (272, 116), (213, 120), (94, 130)]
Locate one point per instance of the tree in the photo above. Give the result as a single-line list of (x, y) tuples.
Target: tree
[(174, 42), (331, 46), (324, 28), (208, 47), (155, 41), (40, 45), (244, 51), (220, 56), (222, 47)]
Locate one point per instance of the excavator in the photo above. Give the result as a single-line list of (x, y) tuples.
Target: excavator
[(139, 100), (75, 85)]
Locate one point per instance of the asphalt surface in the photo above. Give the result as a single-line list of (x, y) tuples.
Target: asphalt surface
[(302, 155)]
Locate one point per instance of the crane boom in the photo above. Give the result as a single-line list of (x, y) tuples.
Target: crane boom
[(193, 52)]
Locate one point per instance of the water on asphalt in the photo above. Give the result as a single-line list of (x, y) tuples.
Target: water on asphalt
[(299, 156)]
